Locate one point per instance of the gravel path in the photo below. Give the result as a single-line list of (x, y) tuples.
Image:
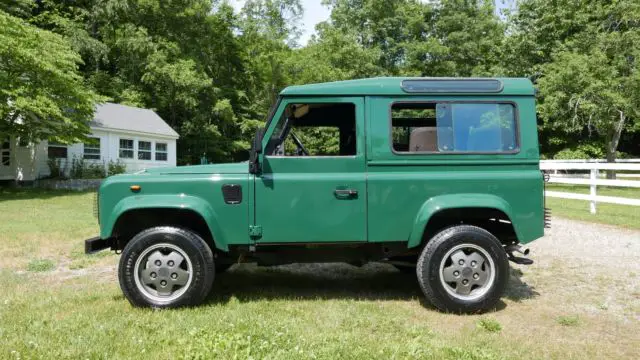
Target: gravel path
[(585, 268), (590, 243)]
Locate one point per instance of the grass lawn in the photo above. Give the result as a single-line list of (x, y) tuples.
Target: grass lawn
[(620, 215), (58, 303)]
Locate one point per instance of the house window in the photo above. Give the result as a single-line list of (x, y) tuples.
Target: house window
[(454, 127), (126, 149), (161, 151), (92, 149), (57, 151), (144, 150), (5, 153)]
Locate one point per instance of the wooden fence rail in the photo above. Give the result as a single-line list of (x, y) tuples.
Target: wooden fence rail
[(551, 167)]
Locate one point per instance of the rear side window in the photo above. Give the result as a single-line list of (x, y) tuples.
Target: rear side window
[(454, 127)]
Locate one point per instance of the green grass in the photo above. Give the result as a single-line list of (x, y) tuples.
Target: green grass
[(40, 265), (291, 312), (568, 320), (490, 325), (612, 214)]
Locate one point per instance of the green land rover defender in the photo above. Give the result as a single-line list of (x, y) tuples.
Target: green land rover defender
[(437, 176)]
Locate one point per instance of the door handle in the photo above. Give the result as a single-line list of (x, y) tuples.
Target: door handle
[(346, 193)]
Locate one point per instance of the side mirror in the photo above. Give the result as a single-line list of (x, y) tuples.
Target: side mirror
[(256, 149)]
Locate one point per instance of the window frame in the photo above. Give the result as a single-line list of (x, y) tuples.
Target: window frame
[(58, 145), (120, 148), (283, 103), (150, 151), (7, 151), (516, 119), (165, 152), (99, 148)]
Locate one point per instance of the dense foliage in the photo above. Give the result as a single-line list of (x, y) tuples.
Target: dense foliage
[(213, 73)]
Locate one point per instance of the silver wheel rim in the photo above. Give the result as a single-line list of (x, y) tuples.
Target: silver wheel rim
[(467, 272), (163, 273)]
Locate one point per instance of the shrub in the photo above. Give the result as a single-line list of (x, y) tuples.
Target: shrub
[(94, 171), (56, 171), (116, 167), (77, 168), (584, 151)]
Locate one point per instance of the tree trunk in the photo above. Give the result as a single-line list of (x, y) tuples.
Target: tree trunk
[(612, 143)]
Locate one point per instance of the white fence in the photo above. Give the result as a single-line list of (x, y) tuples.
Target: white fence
[(592, 179)]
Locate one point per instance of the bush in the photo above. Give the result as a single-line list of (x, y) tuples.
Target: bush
[(77, 168), (584, 151), (93, 171), (116, 167), (82, 169), (56, 170)]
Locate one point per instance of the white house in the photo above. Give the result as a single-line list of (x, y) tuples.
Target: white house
[(138, 138)]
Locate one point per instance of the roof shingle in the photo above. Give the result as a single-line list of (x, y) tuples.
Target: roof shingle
[(123, 117)]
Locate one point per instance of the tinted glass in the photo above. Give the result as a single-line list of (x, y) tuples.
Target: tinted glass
[(477, 127), (453, 127)]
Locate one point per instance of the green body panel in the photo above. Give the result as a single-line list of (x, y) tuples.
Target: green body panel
[(231, 168), (293, 199), (198, 192), (400, 185), (295, 196), (452, 201)]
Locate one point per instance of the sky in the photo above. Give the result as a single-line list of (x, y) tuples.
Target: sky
[(314, 13)]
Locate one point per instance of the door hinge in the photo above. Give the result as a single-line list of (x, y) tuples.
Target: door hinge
[(255, 231)]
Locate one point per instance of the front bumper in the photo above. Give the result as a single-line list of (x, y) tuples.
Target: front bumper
[(96, 244)]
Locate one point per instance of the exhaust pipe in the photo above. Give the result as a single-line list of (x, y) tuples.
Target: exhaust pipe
[(517, 248), (510, 249)]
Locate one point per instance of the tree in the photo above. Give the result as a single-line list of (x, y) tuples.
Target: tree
[(42, 95), (591, 79), (438, 38)]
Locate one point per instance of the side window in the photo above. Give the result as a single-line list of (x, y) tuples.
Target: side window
[(453, 127), (326, 129), (5, 152), (92, 149), (161, 151), (144, 150), (126, 149), (56, 150)]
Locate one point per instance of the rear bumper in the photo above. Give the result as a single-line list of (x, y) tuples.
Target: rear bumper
[(96, 244)]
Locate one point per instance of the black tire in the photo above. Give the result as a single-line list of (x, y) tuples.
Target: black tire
[(431, 259), (183, 242)]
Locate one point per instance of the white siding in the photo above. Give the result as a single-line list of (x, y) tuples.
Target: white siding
[(109, 151), (24, 160)]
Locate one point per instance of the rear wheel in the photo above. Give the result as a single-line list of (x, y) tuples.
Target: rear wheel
[(463, 269), (166, 267)]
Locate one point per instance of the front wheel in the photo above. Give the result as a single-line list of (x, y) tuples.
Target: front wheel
[(463, 269), (166, 267)]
